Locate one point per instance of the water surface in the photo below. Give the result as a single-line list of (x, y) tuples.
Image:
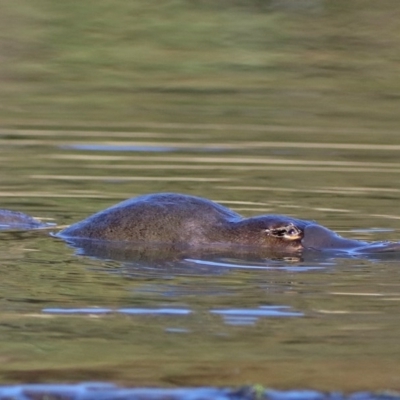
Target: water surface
[(327, 323)]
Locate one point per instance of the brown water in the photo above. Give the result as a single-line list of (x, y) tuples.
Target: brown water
[(326, 323)]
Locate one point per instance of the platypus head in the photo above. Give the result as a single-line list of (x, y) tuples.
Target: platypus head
[(276, 232), (288, 234)]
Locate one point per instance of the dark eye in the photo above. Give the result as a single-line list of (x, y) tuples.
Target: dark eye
[(279, 232)]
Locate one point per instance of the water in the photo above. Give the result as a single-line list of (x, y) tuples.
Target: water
[(325, 323)]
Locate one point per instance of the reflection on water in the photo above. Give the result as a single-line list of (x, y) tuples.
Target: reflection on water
[(250, 317), (126, 311), (266, 265), (231, 316), (97, 147), (127, 314)]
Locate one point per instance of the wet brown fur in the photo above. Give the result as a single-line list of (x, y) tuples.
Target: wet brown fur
[(176, 218)]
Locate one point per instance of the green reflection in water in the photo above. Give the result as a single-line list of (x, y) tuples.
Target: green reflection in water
[(326, 64), (268, 110)]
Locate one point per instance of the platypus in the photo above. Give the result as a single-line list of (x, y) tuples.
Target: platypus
[(195, 222), (182, 219), (198, 222)]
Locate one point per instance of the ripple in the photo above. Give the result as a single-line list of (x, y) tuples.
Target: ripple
[(128, 178), (126, 311), (101, 147), (251, 316), (157, 311), (282, 267), (230, 316)]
